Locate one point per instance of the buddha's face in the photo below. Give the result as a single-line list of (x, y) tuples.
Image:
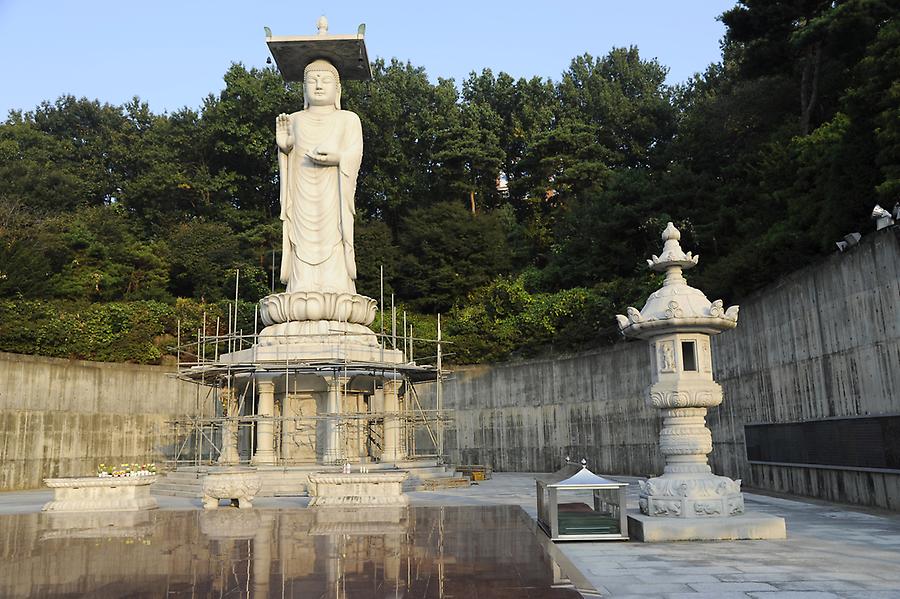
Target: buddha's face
[(320, 88)]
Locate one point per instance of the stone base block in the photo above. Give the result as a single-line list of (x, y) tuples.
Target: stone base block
[(654, 529), (315, 341), (358, 489), (322, 332), (95, 494)]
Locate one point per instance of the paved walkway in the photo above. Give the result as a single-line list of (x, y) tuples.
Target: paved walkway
[(832, 551)]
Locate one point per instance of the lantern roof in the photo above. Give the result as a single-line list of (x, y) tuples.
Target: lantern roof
[(676, 306)]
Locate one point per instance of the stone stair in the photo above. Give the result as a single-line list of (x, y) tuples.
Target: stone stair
[(179, 483)]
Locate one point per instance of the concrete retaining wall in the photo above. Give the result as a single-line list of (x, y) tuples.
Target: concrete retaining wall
[(823, 342), (63, 417)]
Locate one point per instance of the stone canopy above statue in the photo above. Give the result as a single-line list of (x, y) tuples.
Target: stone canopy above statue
[(346, 52)]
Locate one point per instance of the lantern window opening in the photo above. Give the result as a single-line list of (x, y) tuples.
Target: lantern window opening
[(689, 356)]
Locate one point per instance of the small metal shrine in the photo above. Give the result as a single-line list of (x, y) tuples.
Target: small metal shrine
[(581, 506)]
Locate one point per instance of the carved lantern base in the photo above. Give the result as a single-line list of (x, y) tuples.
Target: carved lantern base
[(699, 497)]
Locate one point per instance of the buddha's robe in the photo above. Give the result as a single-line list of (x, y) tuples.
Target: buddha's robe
[(317, 203)]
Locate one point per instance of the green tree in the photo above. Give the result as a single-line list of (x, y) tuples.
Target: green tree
[(446, 251), (398, 110), (375, 249), (873, 103), (238, 128), (203, 258), (96, 254), (809, 43)]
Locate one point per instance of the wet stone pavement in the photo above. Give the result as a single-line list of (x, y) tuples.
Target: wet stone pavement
[(478, 542), (427, 552)]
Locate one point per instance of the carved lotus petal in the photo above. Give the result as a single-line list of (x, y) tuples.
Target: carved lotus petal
[(300, 306)]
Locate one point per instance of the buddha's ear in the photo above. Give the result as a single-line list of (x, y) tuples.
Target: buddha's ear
[(337, 97)]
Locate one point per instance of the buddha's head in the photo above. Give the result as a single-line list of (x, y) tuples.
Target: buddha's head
[(321, 85)]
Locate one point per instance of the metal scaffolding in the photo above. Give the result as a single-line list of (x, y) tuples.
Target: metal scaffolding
[(227, 391)]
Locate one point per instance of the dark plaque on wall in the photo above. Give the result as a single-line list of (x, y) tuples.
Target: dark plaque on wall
[(865, 442)]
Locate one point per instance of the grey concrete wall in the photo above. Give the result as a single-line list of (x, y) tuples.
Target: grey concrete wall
[(822, 342), (63, 417)]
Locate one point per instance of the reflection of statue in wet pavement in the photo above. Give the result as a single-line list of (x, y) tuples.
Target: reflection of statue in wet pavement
[(320, 150)]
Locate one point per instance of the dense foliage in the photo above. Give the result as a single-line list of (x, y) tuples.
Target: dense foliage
[(117, 223)]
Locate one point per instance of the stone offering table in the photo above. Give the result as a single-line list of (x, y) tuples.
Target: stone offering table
[(240, 485), (376, 489), (96, 494)]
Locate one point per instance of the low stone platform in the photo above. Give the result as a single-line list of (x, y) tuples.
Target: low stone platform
[(374, 489), (96, 494), (654, 529), (293, 481)]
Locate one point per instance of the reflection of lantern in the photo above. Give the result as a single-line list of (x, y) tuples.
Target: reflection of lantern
[(678, 321), (581, 506)]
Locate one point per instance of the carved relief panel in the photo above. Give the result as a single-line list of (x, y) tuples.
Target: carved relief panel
[(666, 356), (705, 356)]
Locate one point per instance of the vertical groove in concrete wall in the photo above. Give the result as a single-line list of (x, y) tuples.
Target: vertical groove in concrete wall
[(823, 342), (63, 417)]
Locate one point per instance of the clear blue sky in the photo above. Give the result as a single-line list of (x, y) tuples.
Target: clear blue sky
[(173, 53)]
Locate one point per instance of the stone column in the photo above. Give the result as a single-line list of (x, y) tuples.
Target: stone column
[(229, 454), (333, 450), (393, 444), (265, 427)]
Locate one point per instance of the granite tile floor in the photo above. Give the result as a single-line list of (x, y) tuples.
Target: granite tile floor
[(832, 550)]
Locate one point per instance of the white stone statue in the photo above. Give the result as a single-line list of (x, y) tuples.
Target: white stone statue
[(319, 153)]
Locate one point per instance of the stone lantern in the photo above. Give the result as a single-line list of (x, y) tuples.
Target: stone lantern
[(678, 321)]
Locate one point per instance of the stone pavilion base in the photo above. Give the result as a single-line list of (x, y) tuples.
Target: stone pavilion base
[(374, 489), (96, 494), (653, 529)]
